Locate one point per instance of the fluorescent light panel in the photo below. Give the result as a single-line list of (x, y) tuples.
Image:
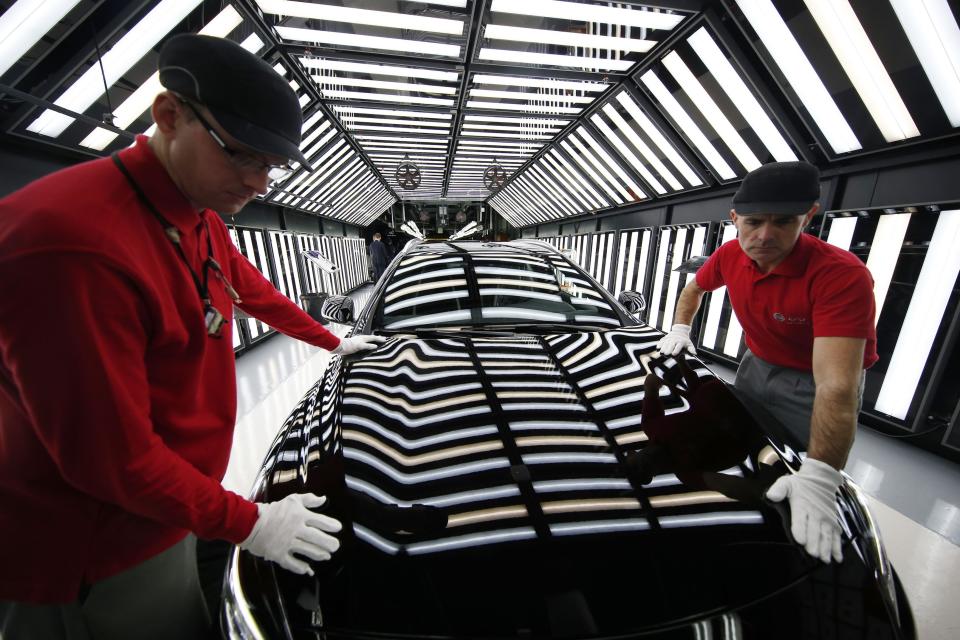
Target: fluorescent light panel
[(688, 126), (789, 57), (25, 23), (522, 95), (625, 152), (348, 110), (379, 69), (336, 38), (142, 99), (587, 13), (735, 88), (884, 253), (859, 59), (554, 59), (129, 50), (333, 13), (658, 139), (520, 81), (841, 232), (531, 108), (938, 276), (935, 38), (381, 84), (566, 38), (385, 97)]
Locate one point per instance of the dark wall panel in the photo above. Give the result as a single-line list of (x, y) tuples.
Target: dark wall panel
[(256, 215), (634, 219), (301, 222), (717, 208)]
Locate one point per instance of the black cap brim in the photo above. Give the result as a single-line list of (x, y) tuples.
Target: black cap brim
[(771, 208), (258, 138)]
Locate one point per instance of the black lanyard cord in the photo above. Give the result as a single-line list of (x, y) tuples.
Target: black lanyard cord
[(173, 234)]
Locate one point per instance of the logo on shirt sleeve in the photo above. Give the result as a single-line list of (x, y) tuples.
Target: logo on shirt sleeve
[(796, 320)]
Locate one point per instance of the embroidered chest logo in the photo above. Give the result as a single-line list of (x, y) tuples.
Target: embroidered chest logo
[(779, 317)]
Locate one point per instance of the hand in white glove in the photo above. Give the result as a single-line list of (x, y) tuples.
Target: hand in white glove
[(358, 343), (287, 527), (813, 507), (676, 341)]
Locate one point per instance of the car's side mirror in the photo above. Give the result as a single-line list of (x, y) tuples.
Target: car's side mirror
[(632, 300), (338, 309)]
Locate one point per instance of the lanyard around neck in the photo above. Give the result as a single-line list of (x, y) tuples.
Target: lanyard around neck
[(173, 234)]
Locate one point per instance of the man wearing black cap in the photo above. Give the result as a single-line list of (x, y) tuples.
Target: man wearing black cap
[(807, 310), (117, 378)]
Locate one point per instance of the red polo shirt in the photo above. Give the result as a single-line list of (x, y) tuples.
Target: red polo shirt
[(819, 290), (116, 408)]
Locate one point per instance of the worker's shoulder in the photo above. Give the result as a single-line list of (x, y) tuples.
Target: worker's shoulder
[(77, 208)]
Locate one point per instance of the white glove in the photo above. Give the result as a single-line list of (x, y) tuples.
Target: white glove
[(358, 343), (287, 527), (676, 341), (813, 507)]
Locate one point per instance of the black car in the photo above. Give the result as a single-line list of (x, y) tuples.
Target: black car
[(518, 461)]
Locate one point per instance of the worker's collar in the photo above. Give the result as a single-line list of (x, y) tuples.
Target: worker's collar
[(152, 177), (793, 266)]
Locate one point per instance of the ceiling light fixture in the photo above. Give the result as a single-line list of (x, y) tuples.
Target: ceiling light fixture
[(368, 17), (25, 23), (588, 13), (566, 38), (327, 64), (741, 97), (340, 39), (658, 138), (795, 66), (520, 81), (128, 51), (859, 59), (935, 38), (554, 59)]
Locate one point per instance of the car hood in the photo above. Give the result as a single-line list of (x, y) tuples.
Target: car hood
[(520, 484)]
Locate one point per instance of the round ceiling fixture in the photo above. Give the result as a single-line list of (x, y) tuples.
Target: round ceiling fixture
[(408, 174), (494, 176)]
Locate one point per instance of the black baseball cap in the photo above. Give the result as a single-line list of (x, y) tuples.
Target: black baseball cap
[(249, 99), (778, 188)]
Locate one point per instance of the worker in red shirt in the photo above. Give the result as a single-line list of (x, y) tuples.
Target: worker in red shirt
[(117, 379), (807, 310)]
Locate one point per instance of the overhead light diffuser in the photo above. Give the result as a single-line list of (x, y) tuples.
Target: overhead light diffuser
[(935, 38), (142, 99), (386, 97), (327, 64), (936, 283), (25, 23), (789, 57), (859, 59), (347, 110), (509, 106), (588, 13), (554, 59), (337, 38), (658, 139), (634, 161), (521, 95), (740, 96), (521, 81), (381, 84), (884, 253), (369, 17), (688, 126), (129, 50), (566, 38)]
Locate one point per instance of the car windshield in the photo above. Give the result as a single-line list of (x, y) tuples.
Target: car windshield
[(490, 287)]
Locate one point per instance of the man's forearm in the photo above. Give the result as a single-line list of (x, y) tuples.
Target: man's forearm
[(833, 425), (688, 303)]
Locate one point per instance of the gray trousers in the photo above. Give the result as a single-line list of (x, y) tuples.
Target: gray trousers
[(787, 394), (159, 598)]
